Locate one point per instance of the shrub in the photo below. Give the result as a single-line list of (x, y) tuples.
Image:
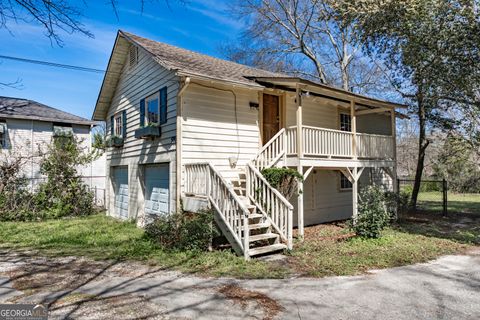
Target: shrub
[(285, 180), (373, 215), (182, 231), (64, 193)]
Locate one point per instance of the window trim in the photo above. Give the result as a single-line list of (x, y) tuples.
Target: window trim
[(341, 176), (340, 115), (118, 125), (151, 97)]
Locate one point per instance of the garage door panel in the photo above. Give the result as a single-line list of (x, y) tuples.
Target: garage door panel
[(121, 190), (157, 189)]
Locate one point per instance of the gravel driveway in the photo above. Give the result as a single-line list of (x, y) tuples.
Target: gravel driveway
[(77, 288)]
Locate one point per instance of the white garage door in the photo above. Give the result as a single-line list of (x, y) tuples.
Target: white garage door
[(157, 189), (120, 185)]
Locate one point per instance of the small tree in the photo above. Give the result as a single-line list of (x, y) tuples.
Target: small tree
[(64, 193)]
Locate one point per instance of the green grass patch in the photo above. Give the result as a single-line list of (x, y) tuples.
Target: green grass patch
[(327, 249), (457, 202), (104, 238)]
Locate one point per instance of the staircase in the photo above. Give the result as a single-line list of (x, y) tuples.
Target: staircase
[(254, 217)]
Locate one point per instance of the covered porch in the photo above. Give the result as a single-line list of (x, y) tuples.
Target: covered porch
[(323, 129)]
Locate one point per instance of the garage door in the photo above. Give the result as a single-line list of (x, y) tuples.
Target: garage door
[(157, 189), (120, 185)]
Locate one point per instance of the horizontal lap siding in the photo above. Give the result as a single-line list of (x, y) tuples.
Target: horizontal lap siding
[(375, 124), (21, 142), (323, 201), (137, 83), (315, 113), (210, 132)]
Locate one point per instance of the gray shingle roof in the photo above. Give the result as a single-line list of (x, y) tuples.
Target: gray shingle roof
[(18, 108), (191, 62)]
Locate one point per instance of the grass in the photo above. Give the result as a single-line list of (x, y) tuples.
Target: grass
[(327, 249), (457, 203), (101, 237)]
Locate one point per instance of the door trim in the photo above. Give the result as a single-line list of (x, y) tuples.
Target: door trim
[(282, 103)]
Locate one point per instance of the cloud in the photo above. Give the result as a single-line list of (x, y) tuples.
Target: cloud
[(217, 12)]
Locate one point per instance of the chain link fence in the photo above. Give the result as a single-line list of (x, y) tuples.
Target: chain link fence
[(436, 197)]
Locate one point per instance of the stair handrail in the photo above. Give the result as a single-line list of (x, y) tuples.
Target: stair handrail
[(229, 206), (282, 219), (259, 159)]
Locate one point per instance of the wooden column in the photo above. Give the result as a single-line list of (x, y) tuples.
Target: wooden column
[(300, 156), (355, 194), (394, 151), (353, 118)]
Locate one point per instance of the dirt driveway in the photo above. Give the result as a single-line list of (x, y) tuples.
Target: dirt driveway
[(77, 288)]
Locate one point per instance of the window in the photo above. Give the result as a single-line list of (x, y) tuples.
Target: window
[(62, 130), (118, 125), (133, 56), (153, 109), (345, 122), (345, 184), (3, 135)]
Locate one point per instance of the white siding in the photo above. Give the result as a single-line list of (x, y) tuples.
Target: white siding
[(137, 83), (323, 200), (214, 132), (31, 138)]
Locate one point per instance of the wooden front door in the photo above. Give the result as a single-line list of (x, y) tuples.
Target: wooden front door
[(271, 116)]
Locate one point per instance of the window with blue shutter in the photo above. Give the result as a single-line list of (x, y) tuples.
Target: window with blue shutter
[(124, 124), (112, 126), (163, 105), (142, 113)]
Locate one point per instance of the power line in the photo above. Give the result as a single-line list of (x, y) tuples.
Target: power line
[(76, 68), (53, 64)]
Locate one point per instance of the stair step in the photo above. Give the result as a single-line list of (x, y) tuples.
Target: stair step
[(255, 216), (267, 249), (263, 236), (257, 226)]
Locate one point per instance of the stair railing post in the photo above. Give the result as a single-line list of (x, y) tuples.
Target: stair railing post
[(290, 229), (246, 237)]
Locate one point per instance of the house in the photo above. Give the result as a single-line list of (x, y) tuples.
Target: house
[(191, 130), (27, 127)]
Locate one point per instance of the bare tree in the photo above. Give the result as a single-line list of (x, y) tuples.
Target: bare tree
[(303, 37)]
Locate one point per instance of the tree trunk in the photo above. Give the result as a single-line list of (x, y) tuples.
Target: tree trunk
[(422, 147)]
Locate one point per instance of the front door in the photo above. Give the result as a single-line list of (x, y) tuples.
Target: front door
[(271, 116)]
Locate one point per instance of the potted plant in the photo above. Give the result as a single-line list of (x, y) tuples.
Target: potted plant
[(115, 141), (149, 131)]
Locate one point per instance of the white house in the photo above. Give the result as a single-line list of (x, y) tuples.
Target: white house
[(27, 127), (193, 130)]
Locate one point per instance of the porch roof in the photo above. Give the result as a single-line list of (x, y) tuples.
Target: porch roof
[(325, 91)]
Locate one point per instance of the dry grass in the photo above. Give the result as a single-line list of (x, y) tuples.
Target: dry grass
[(243, 297)]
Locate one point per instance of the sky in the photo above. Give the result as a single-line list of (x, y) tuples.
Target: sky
[(200, 25)]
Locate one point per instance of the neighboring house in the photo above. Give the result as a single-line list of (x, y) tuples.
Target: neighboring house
[(27, 127), (195, 131)]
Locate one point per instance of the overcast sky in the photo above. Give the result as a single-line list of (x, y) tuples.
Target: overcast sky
[(202, 25)]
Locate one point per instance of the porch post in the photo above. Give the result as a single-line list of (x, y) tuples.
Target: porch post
[(353, 118), (394, 146), (355, 194), (299, 157)]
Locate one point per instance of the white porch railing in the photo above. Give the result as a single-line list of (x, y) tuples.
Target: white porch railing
[(271, 203), (326, 142), (374, 146), (204, 179), (322, 142), (271, 152)]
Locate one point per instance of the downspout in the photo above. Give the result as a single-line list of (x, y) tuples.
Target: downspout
[(178, 147)]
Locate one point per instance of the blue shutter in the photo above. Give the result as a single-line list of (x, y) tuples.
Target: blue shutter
[(112, 125), (124, 123), (142, 113), (163, 105)]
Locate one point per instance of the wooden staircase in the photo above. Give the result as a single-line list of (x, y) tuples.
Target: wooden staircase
[(262, 237), (254, 217)]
